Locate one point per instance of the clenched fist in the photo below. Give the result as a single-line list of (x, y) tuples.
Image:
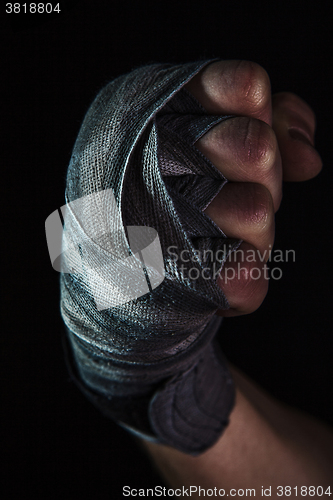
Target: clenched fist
[(270, 139)]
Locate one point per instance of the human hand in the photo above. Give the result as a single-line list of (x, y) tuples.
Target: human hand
[(137, 142), (270, 139)]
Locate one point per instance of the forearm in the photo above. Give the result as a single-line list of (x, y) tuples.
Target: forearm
[(266, 444)]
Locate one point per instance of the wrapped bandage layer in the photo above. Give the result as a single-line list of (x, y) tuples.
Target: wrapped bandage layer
[(138, 287)]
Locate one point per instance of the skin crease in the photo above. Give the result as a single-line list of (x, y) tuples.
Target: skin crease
[(248, 150), (269, 140)]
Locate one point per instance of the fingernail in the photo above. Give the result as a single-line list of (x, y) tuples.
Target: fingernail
[(300, 135)]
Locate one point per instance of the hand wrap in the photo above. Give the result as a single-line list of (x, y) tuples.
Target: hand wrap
[(148, 362)]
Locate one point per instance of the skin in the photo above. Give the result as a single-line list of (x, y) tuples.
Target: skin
[(267, 444), (270, 140)]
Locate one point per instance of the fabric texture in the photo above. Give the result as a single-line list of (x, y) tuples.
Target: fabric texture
[(148, 361)]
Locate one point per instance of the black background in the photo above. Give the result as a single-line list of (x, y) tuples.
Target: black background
[(56, 445)]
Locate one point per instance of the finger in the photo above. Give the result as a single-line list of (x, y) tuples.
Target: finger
[(245, 150), (294, 124), (234, 87), (244, 281), (245, 211)]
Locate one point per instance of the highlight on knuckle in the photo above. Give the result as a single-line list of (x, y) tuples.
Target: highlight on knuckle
[(252, 82), (259, 144), (259, 210), (253, 286), (250, 283), (245, 279), (262, 145)]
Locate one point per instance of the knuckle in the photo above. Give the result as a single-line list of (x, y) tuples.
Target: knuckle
[(258, 143), (252, 83), (252, 286), (248, 285), (259, 210), (261, 144), (256, 294), (246, 282)]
